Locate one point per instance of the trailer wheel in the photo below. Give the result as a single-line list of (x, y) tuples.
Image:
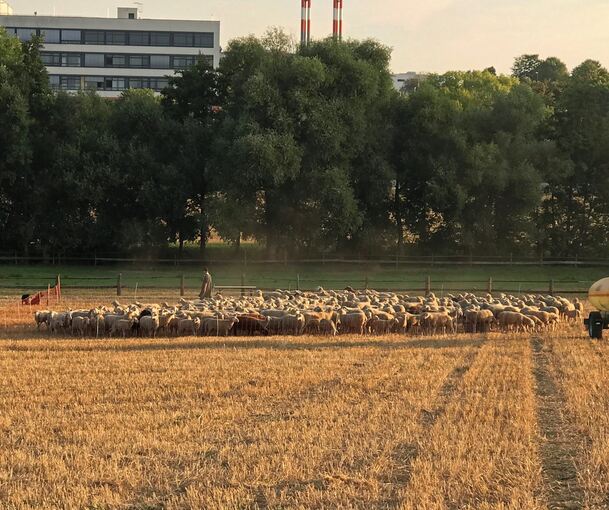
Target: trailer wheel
[(595, 325)]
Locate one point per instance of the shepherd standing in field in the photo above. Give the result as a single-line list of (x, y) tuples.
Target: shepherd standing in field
[(206, 286)]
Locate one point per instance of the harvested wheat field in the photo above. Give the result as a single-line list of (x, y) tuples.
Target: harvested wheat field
[(460, 421)]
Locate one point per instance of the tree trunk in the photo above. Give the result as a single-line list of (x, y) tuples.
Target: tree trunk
[(398, 217), (204, 225)]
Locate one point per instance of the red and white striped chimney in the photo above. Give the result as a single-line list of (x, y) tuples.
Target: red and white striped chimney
[(335, 20), (340, 20), (303, 22), (308, 21)]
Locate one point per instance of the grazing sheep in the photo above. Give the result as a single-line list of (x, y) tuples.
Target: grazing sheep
[(80, 325), (149, 325), (42, 317), (187, 327), (218, 327), (123, 327)]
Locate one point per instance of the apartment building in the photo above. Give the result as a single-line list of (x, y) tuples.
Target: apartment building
[(110, 55)]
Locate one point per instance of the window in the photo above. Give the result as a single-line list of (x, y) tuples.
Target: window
[(131, 15), (94, 60), (50, 59), (139, 38), (115, 60), (69, 82), (159, 61), (70, 36), (11, 31), (25, 34), (160, 39), (208, 58), (116, 38), (139, 83), (94, 82), (51, 36), (95, 37), (204, 40), (182, 39), (71, 59), (54, 81), (158, 83), (115, 84), (182, 61), (139, 61)]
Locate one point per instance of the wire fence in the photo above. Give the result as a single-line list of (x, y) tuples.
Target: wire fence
[(186, 285), (244, 260)]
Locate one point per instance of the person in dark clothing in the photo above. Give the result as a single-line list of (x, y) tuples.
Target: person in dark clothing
[(206, 286)]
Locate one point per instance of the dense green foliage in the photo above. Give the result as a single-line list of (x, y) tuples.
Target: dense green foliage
[(308, 150)]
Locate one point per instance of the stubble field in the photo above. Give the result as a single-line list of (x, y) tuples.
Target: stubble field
[(465, 421)]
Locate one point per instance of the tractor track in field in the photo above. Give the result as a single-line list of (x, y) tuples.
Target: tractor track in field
[(559, 442), (405, 453)]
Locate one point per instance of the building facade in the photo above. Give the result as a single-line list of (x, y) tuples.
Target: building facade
[(5, 8), (112, 55), (406, 82)]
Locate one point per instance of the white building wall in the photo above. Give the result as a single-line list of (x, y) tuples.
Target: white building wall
[(39, 23), (5, 8)]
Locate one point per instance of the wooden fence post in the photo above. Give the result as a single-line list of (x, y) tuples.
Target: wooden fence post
[(119, 285), (48, 292), (428, 285), (490, 285), (366, 283), (182, 290), (58, 288), (297, 282), (551, 287), (242, 284)]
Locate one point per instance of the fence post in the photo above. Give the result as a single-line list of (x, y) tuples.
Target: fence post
[(48, 292), (182, 285), (551, 287), (428, 285), (119, 285), (297, 282), (490, 285), (58, 288), (242, 284)]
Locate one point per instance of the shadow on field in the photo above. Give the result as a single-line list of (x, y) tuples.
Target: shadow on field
[(239, 343)]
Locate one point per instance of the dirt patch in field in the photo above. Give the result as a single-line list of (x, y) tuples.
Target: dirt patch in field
[(559, 443)]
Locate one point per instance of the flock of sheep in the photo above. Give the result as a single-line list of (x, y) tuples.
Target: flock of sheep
[(320, 312)]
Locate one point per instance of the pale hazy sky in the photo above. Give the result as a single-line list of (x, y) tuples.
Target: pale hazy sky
[(426, 35)]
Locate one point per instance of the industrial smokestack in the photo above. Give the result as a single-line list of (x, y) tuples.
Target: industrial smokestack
[(340, 20), (303, 22), (308, 21), (335, 20)]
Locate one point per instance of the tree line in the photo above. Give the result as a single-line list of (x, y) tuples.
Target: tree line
[(308, 150)]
